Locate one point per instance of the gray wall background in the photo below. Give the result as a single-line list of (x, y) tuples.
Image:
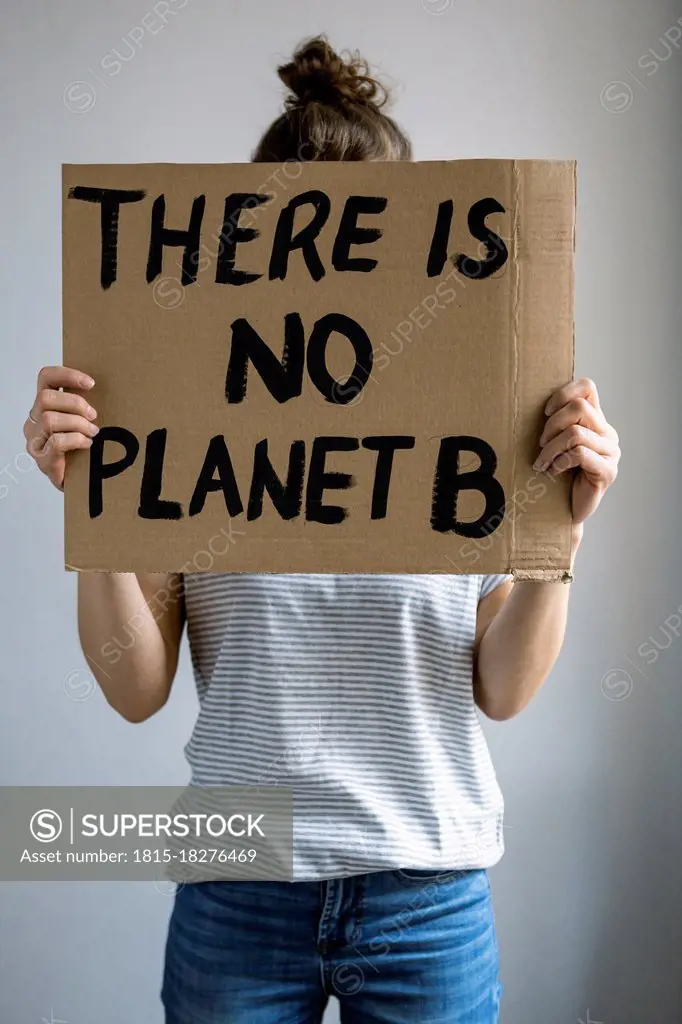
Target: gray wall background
[(589, 899)]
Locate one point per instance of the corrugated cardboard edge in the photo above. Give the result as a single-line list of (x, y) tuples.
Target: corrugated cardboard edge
[(515, 317), (63, 303), (542, 575), (518, 575), (532, 295), (70, 455)]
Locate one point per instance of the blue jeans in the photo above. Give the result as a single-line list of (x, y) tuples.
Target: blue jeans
[(395, 947)]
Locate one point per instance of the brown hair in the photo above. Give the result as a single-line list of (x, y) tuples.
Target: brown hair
[(333, 112)]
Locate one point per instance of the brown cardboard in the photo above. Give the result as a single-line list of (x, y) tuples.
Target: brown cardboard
[(458, 353)]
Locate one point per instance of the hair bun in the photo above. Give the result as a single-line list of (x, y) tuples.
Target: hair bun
[(317, 74)]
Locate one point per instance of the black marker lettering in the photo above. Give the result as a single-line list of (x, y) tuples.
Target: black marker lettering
[(449, 482), (283, 378), (319, 480), (285, 241), (217, 459), (232, 234), (497, 256), (350, 234), (334, 391), (151, 505), (287, 497), (438, 253), (110, 200), (386, 448), (189, 239), (101, 470)]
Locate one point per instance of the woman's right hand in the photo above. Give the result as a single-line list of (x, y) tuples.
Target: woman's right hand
[(59, 422)]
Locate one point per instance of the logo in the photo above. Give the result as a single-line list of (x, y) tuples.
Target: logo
[(437, 6), (168, 293), (78, 685), (167, 887), (617, 684), (617, 97), (46, 826), (347, 979), (79, 97)]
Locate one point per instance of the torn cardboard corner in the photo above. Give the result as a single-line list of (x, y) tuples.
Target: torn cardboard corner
[(340, 369), (542, 575)]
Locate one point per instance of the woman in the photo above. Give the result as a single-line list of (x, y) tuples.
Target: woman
[(358, 691)]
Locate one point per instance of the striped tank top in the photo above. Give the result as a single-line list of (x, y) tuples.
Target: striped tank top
[(355, 691)]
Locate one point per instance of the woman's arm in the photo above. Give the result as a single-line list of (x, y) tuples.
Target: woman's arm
[(520, 630), (520, 627), (130, 626)]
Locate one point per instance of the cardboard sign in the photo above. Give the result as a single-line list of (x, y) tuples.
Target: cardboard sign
[(319, 367)]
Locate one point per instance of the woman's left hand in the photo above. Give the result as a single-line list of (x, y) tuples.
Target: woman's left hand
[(577, 436)]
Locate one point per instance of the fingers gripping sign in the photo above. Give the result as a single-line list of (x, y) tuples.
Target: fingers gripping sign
[(59, 421), (577, 436)]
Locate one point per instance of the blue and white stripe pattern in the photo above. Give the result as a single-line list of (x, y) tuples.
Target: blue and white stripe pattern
[(356, 691)]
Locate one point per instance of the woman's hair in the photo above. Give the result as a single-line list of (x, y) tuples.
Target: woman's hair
[(333, 112)]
